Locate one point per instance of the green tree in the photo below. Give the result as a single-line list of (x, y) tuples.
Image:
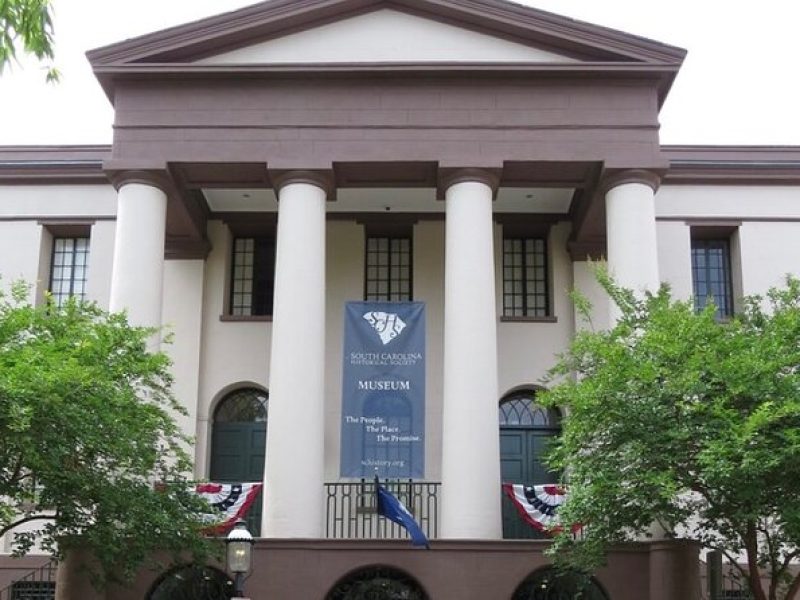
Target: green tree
[(678, 419), (90, 455), (26, 25)]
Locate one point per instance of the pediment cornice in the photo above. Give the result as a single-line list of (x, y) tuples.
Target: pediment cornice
[(259, 22)]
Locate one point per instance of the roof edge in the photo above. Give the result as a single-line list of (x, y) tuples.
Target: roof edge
[(62, 164), (268, 19), (689, 164), (731, 165)]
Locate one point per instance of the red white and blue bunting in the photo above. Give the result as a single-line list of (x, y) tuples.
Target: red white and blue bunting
[(229, 502), (538, 505)]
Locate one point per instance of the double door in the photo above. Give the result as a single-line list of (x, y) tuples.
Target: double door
[(237, 456), (522, 451)]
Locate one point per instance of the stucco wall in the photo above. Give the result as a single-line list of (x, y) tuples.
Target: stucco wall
[(764, 225), (212, 355), (526, 350), (26, 244)]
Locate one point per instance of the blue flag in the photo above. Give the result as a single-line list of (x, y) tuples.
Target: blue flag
[(391, 508)]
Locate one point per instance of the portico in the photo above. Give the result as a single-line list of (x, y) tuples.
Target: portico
[(537, 121)]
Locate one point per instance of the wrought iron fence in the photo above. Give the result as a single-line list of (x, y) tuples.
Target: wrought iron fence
[(39, 584), (351, 511)]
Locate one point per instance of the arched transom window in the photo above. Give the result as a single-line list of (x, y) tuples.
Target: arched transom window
[(520, 410), (377, 583), (549, 584), (244, 405), (192, 582)]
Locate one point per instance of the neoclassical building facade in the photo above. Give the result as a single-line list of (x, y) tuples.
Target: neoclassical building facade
[(271, 164)]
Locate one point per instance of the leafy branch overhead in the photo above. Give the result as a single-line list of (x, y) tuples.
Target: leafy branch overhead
[(86, 429), (692, 424), (27, 26)]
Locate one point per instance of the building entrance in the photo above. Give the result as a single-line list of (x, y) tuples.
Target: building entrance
[(238, 444), (526, 431)]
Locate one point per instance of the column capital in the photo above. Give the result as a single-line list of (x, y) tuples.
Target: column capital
[(449, 177), (158, 178), (614, 179), (323, 179)]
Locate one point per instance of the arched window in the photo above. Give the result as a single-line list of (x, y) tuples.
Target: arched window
[(244, 405), (526, 431), (520, 410), (377, 583), (238, 443), (549, 584), (192, 582)]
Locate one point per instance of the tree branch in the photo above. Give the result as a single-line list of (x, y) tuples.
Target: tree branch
[(793, 587), (15, 475), (751, 547), (788, 559), (774, 566), (732, 560), (19, 522)]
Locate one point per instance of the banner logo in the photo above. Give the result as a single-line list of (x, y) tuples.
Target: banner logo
[(388, 326)]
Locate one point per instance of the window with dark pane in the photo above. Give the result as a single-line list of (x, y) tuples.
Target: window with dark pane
[(711, 275), (243, 405), (33, 590), (194, 582), (253, 276), (521, 410), (525, 290), (377, 583), (388, 269), (69, 268), (553, 584)]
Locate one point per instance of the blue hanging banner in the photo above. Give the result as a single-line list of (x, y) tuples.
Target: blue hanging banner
[(383, 390)]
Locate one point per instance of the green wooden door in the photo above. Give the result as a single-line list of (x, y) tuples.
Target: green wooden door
[(237, 456), (526, 432), (238, 444), (521, 452)]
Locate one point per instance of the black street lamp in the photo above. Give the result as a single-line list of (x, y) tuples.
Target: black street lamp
[(240, 554)]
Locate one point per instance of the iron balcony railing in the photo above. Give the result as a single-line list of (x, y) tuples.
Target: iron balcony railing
[(39, 584), (351, 511)]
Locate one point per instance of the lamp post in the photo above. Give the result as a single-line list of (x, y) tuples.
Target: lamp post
[(240, 554)]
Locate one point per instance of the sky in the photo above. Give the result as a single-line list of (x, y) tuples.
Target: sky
[(740, 83)]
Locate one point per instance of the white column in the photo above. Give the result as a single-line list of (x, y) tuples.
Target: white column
[(137, 277), (293, 474), (470, 431), (631, 237)]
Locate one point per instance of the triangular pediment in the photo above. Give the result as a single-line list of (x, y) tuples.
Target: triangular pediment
[(386, 36), (271, 31)]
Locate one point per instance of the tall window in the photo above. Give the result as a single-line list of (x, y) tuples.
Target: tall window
[(711, 275), (525, 288), (68, 268), (253, 276), (388, 269)]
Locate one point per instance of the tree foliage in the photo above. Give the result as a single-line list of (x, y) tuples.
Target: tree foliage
[(679, 419), (86, 430), (26, 25)]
